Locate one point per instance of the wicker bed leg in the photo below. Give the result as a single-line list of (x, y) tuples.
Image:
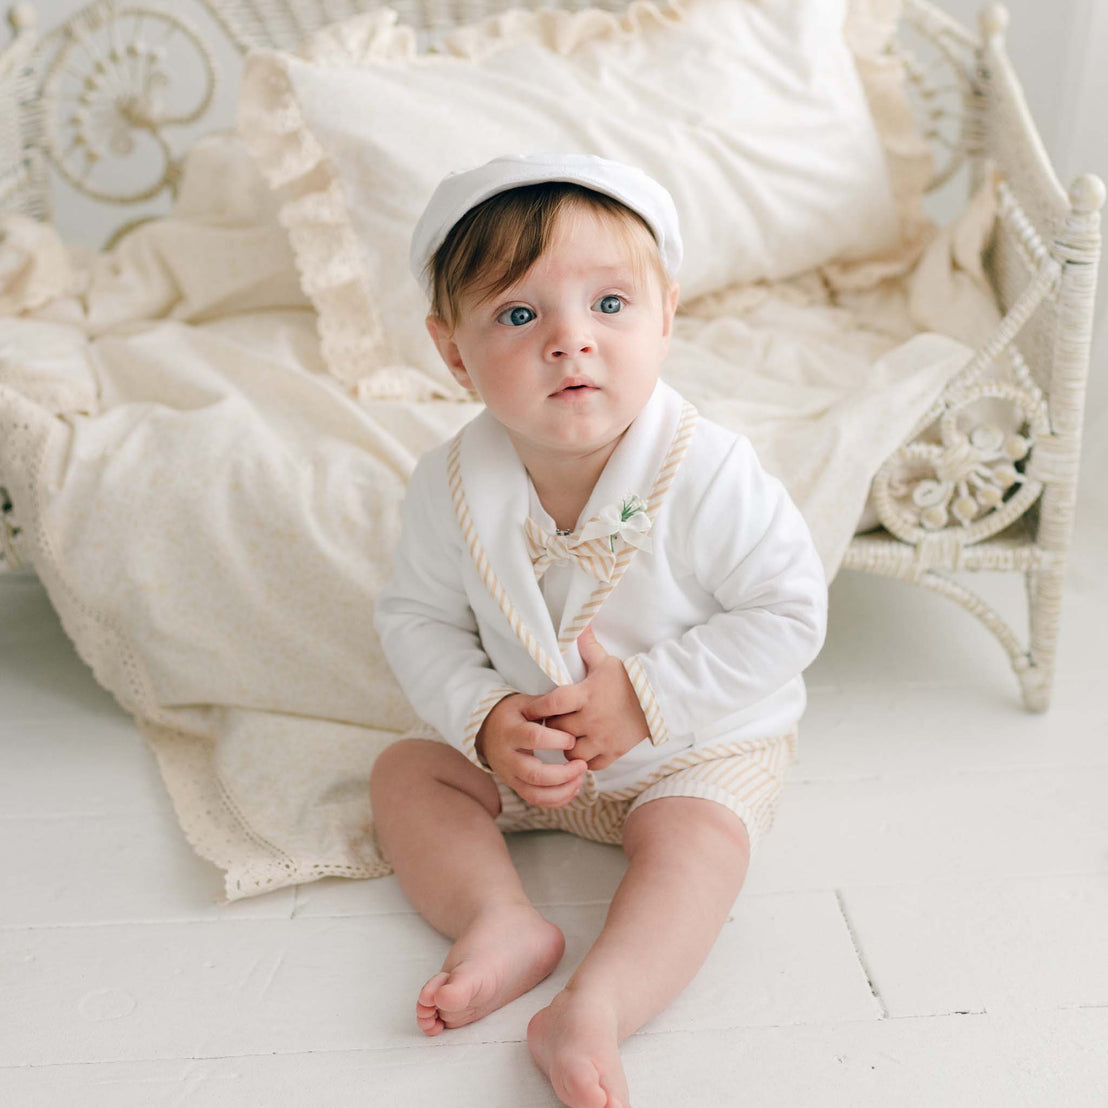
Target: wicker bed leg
[(1044, 598), (1057, 458)]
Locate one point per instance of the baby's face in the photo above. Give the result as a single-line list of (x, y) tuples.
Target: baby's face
[(567, 357)]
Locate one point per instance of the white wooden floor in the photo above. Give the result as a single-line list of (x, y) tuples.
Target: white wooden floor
[(926, 925)]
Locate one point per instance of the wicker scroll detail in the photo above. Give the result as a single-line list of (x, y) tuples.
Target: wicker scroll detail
[(980, 475), (108, 96), (936, 53), (975, 478)]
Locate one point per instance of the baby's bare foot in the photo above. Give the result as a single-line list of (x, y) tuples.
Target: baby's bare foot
[(504, 953), (574, 1042)]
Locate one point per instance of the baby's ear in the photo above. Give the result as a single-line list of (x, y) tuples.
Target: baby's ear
[(443, 338), (669, 305)]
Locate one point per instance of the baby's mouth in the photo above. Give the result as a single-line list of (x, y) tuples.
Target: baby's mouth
[(572, 386)]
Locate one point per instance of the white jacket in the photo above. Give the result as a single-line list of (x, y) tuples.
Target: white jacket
[(714, 624)]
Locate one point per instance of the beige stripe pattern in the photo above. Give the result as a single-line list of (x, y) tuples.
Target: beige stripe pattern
[(659, 732), (594, 556), (745, 777)]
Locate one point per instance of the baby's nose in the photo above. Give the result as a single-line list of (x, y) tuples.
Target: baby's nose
[(569, 349), (568, 340)]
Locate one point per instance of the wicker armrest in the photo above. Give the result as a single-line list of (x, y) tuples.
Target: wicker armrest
[(973, 491)]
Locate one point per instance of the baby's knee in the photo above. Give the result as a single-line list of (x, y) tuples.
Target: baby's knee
[(409, 767), (403, 760), (689, 827)]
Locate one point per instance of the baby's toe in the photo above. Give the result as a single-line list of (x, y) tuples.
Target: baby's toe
[(581, 1079), (429, 993), (458, 994)]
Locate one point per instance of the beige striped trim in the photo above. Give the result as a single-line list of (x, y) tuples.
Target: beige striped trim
[(745, 778), (698, 756), (748, 784), (477, 717), (659, 732), (677, 450), (555, 670)]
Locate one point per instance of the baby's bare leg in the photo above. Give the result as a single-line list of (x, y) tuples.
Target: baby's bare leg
[(434, 811), (688, 859)]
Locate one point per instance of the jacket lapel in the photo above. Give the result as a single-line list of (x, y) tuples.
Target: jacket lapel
[(495, 489)]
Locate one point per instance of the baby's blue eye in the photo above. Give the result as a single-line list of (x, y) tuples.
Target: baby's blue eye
[(517, 316), (609, 305)]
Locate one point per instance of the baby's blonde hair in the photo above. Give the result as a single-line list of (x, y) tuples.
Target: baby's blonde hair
[(495, 243)]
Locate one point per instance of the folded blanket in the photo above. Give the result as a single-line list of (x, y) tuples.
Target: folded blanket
[(212, 515)]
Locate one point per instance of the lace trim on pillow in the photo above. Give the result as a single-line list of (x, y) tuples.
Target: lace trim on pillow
[(375, 36), (314, 212), (562, 31)]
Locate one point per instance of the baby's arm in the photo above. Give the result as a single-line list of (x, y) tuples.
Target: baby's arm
[(430, 638), (747, 544)]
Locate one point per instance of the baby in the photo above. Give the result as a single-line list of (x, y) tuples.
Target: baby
[(601, 606)]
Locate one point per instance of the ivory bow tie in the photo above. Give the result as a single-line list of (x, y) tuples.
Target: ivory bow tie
[(594, 556), (593, 547)]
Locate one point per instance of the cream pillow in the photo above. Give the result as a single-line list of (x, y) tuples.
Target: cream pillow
[(751, 113)]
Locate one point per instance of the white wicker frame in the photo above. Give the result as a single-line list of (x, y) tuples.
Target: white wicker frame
[(1011, 494)]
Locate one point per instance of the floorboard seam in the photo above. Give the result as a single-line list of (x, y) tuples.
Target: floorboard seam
[(859, 955)]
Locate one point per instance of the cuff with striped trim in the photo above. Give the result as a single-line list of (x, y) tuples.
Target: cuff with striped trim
[(659, 733), (485, 705)]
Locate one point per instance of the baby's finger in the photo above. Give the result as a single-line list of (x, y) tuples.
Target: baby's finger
[(540, 737), (557, 797), (565, 698), (601, 761), (543, 774), (572, 722), (584, 748)]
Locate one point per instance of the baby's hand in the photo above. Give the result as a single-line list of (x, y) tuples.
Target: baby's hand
[(602, 709), (506, 741)]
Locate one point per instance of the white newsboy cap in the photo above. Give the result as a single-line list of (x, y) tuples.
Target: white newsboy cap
[(464, 189)]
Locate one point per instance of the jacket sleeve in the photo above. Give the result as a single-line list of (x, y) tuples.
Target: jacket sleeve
[(749, 546), (427, 628)]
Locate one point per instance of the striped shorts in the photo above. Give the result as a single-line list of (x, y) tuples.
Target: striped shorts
[(745, 777)]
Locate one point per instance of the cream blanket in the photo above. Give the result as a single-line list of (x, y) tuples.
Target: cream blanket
[(213, 515)]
